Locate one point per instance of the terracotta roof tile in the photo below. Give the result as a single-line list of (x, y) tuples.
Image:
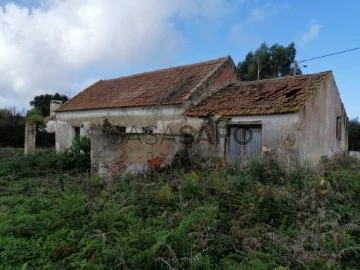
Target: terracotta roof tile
[(281, 95), (161, 87)]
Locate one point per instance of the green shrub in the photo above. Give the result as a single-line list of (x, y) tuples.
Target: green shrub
[(259, 216), (77, 156)]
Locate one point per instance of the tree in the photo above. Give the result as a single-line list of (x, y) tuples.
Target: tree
[(42, 102), (354, 135), (267, 63), (34, 116), (9, 117)]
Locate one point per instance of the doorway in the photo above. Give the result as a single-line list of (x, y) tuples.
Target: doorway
[(243, 143)]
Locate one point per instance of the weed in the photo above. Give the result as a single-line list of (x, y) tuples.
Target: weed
[(259, 216)]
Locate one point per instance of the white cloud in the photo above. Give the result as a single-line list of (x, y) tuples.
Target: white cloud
[(49, 47), (261, 14), (312, 32), (242, 33), (258, 14)]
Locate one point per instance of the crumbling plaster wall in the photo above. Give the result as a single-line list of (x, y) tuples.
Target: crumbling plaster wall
[(318, 123), (64, 135), (30, 138), (280, 136), (133, 153)]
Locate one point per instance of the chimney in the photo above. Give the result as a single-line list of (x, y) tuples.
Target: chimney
[(54, 105)]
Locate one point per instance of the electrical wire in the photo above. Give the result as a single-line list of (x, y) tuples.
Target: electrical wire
[(331, 54)]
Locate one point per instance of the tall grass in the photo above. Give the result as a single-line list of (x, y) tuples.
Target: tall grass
[(259, 216)]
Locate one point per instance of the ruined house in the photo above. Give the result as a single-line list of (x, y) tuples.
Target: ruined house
[(141, 121)]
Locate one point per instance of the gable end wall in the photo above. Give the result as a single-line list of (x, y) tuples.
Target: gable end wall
[(318, 123)]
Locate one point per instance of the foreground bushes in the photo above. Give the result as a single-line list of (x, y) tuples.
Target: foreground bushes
[(256, 217), (45, 161)]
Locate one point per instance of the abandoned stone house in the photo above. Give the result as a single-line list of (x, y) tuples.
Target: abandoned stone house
[(143, 120)]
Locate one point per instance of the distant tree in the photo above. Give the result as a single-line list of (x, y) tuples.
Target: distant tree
[(9, 117), (34, 116), (266, 63), (42, 102), (354, 135)]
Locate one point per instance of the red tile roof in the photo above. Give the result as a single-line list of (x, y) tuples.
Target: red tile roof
[(281, 95), (161, 87)]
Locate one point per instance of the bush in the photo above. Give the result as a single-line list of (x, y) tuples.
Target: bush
[(258, 216), (46, 161), (78, 155)]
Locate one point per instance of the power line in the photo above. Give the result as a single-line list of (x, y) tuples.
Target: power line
[(331, 54), (68, 93)]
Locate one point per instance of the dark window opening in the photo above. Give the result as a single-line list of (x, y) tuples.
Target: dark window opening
[(338, 127), (77, 132)]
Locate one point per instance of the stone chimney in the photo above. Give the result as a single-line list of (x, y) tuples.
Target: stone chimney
[(54, 104)]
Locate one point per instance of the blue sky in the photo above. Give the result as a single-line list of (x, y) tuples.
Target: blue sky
[(49, 46)]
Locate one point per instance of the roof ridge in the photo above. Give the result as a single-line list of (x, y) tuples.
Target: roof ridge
[(327, 72), (208, 76), (167, 69), (212, 92)]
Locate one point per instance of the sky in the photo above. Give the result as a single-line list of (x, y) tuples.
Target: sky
[(49, 46)]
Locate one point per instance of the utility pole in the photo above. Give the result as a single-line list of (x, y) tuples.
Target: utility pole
[(295, 67), (258, 69)]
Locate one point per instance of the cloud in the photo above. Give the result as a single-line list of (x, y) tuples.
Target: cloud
[(54, 45), (261, 14), (312, 32), (242, 33)]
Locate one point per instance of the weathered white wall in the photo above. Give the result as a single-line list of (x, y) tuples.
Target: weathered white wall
[(280, 136), (138, 149), (64, 135), (318, 123), (51, 126)]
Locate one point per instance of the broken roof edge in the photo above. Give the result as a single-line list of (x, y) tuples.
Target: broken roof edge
[(224, 60)]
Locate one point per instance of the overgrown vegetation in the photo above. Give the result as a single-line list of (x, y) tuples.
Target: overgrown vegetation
[(46, 162), (260, 216), (12, 129), (354, 135)]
